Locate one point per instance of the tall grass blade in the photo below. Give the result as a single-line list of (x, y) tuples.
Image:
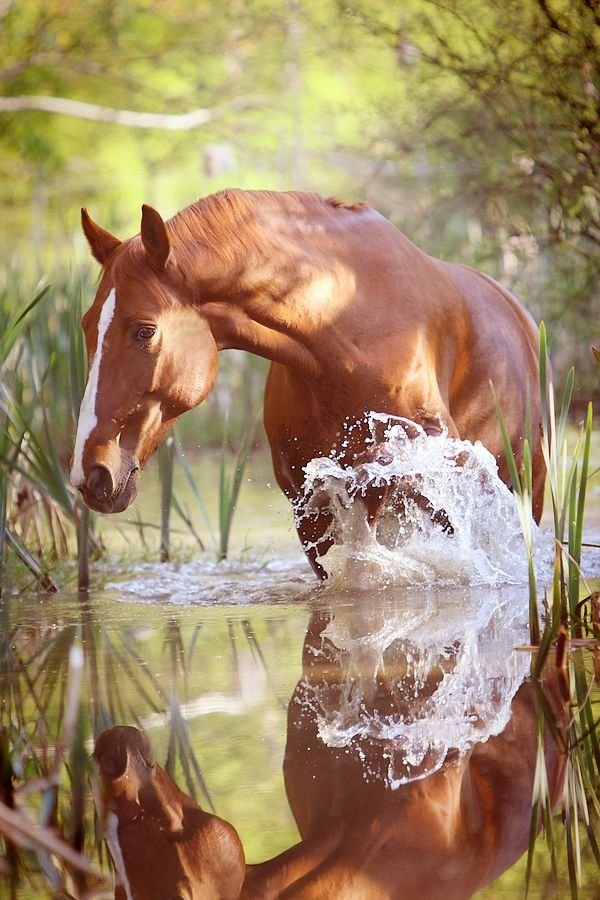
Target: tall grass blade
[(166, 460), (566, 403), (14, 329), (543, 368), (229, 487), (83, 548), (188, 521), (30, 562), (523, 491), (578, 510), (3, 522), (193, 487)]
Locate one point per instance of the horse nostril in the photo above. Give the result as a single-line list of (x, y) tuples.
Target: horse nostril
[(100, 483)]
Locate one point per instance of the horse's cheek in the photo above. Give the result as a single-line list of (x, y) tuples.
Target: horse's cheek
[(185, 386), (200, 378), (209, 373)]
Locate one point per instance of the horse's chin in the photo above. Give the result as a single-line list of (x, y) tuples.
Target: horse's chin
[(117, 502)]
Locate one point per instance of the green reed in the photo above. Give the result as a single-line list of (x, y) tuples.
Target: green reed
[(230, 484), (567, 628), (194, 493), (170, 455), (16, 439), (87, 544), (166, 459), (42, 404)]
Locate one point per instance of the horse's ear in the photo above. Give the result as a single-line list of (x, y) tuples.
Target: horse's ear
[(155, 237), (102, 242)]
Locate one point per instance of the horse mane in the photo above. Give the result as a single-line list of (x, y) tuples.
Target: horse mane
[(337, 203), (224, 222), (228, 224)]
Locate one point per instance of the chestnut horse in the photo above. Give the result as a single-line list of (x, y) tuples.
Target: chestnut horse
[(353, 316)]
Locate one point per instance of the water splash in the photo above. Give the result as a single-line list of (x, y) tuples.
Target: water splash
[(421, 678), (446, 515)]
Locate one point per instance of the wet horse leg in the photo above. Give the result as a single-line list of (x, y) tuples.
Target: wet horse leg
[(314, 524), (395, 492), (365, 493)]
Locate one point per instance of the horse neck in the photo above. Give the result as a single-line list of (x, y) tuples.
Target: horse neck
[(290, 281)]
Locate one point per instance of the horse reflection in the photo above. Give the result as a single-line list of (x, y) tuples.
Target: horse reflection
[(420, 830), (163, 845), (380, 813)]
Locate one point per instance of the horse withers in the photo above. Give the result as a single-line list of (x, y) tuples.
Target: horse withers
[(353, 316)]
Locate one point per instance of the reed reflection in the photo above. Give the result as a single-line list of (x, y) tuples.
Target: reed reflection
[(409, 765), (68, 672)]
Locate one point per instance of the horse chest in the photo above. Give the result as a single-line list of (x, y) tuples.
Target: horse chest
[(305, 421)]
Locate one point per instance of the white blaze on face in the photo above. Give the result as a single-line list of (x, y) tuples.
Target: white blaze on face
[(87, 412), (110, 825), (111, 834)]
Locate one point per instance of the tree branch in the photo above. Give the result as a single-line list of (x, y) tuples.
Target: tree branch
[(593, 7), (552, 17), (131, 118)]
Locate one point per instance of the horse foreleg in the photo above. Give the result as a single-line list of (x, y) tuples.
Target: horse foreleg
[(380, 491), (314, 524)]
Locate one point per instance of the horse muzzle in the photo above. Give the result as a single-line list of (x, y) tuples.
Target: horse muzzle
[(108, 492)]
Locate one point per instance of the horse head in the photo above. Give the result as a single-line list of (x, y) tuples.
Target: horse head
[(164, 846), (151, 357)]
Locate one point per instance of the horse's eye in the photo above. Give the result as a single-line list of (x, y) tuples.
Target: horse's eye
[(145, 333)]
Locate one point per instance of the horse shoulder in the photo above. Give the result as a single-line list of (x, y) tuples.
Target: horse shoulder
[(496, 315), (501, 349)]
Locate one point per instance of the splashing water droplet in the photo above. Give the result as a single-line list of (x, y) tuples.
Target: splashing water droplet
[(445, 515)]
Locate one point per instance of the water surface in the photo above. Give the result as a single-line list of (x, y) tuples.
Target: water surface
[(381, 691)]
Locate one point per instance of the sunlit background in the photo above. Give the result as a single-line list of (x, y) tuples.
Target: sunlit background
[(474, 126)]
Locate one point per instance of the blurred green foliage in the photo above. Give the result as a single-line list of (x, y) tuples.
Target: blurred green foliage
[(474, 126)]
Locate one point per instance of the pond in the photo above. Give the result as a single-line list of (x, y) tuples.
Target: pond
[(392, 725)]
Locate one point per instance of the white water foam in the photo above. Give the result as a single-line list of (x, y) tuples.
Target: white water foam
[(422, 677), (447, 516), (204, 582)]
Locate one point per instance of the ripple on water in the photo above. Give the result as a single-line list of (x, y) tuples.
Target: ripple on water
[(448, 519), (205, 582)]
